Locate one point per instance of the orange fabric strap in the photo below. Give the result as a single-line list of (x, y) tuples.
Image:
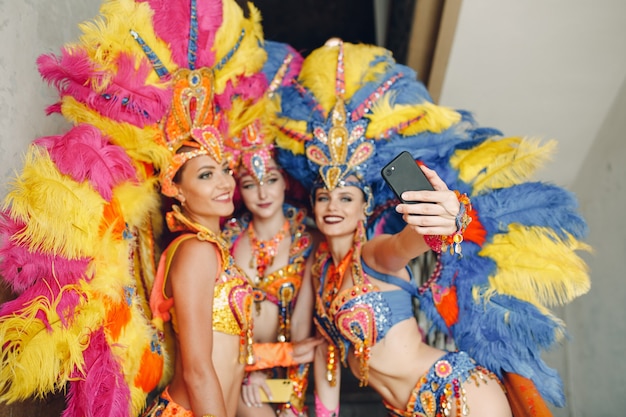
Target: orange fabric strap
[(271, 355), (524, 399)]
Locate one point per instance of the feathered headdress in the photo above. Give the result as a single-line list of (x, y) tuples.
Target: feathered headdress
[(520, 250), (341, 118), (251, 138), (79, 221)]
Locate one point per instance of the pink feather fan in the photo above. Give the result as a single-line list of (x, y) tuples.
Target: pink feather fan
[(171, 23), (100, 389), (84, 154), (122, 96)]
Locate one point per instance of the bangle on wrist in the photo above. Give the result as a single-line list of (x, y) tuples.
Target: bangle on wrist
[(441, 243)]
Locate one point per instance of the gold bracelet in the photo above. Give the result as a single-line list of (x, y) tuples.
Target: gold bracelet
[(208, 415)]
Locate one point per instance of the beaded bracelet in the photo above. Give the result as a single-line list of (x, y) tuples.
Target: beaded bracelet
[(440, 243)]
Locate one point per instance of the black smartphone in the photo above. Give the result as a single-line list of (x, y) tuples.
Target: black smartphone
[(403, 174)]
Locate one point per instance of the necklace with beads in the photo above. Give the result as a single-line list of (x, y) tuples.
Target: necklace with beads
[(264, 251)]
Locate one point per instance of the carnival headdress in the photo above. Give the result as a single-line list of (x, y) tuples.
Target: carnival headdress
[(520, 249), (79, 222), (251, 138), (349, 102)]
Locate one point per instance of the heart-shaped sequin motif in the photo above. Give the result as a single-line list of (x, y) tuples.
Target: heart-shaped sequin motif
[(357, 325)]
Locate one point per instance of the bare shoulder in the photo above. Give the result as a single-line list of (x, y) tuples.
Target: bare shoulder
[(486, 398), (192, 257)]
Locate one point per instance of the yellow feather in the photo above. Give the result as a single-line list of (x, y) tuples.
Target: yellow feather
[(61, 216), (358, 65), (501, 162), (250, 56), (320, 67), (137, 142), (535, 265), (111, 268), (138, 200), (384, 117), (35, 361), (287, 142), (108, 35), (243, 114)]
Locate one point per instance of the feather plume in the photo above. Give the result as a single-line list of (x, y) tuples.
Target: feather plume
[(34, 361), (138, 143), (502, 166), (249, 57), (21, 268), (109, 34), (98, 389), (504, 333), (137, 201), (384, 117), (84, 154), (61, 216), (171, 23), (531, 204), (524, 252), (50, 292), (122, 96)]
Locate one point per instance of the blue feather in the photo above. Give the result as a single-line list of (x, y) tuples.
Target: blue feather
[(531, 204)]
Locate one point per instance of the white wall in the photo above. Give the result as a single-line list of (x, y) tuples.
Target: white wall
[(546, 68), (27, 30), (557, 69)]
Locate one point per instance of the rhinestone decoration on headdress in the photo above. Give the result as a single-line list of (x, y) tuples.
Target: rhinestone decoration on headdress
[(252, 148), (255, 152), (192, 121), (339, 146)]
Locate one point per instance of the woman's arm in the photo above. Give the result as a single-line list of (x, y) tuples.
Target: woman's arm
[(193, 273), (434, 215), (302, 317)]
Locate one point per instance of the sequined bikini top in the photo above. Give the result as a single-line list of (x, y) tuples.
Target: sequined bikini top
[(229, 297), (282, 286), (232, 296), (360, 315)]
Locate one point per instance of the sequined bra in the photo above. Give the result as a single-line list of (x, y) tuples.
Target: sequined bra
[(232, 297), (282, 286), (360, 315), (229, 300)]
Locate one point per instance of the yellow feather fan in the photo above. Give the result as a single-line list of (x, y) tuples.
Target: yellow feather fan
[(37, 197), (523, 252), (501, 162)]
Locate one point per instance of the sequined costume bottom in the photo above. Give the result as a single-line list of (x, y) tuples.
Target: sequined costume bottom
[(164, 406), (440, 388)]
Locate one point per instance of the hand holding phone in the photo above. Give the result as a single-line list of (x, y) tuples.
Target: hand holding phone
[(403, 174), (281, 390)]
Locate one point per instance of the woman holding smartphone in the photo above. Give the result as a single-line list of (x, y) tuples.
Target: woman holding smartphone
[(337, 133)]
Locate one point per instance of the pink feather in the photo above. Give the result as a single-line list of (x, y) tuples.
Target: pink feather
[(21, 268), (172, 21), (68, 73), (210, 19), (84, 154), (101, 390), (126, 97)]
